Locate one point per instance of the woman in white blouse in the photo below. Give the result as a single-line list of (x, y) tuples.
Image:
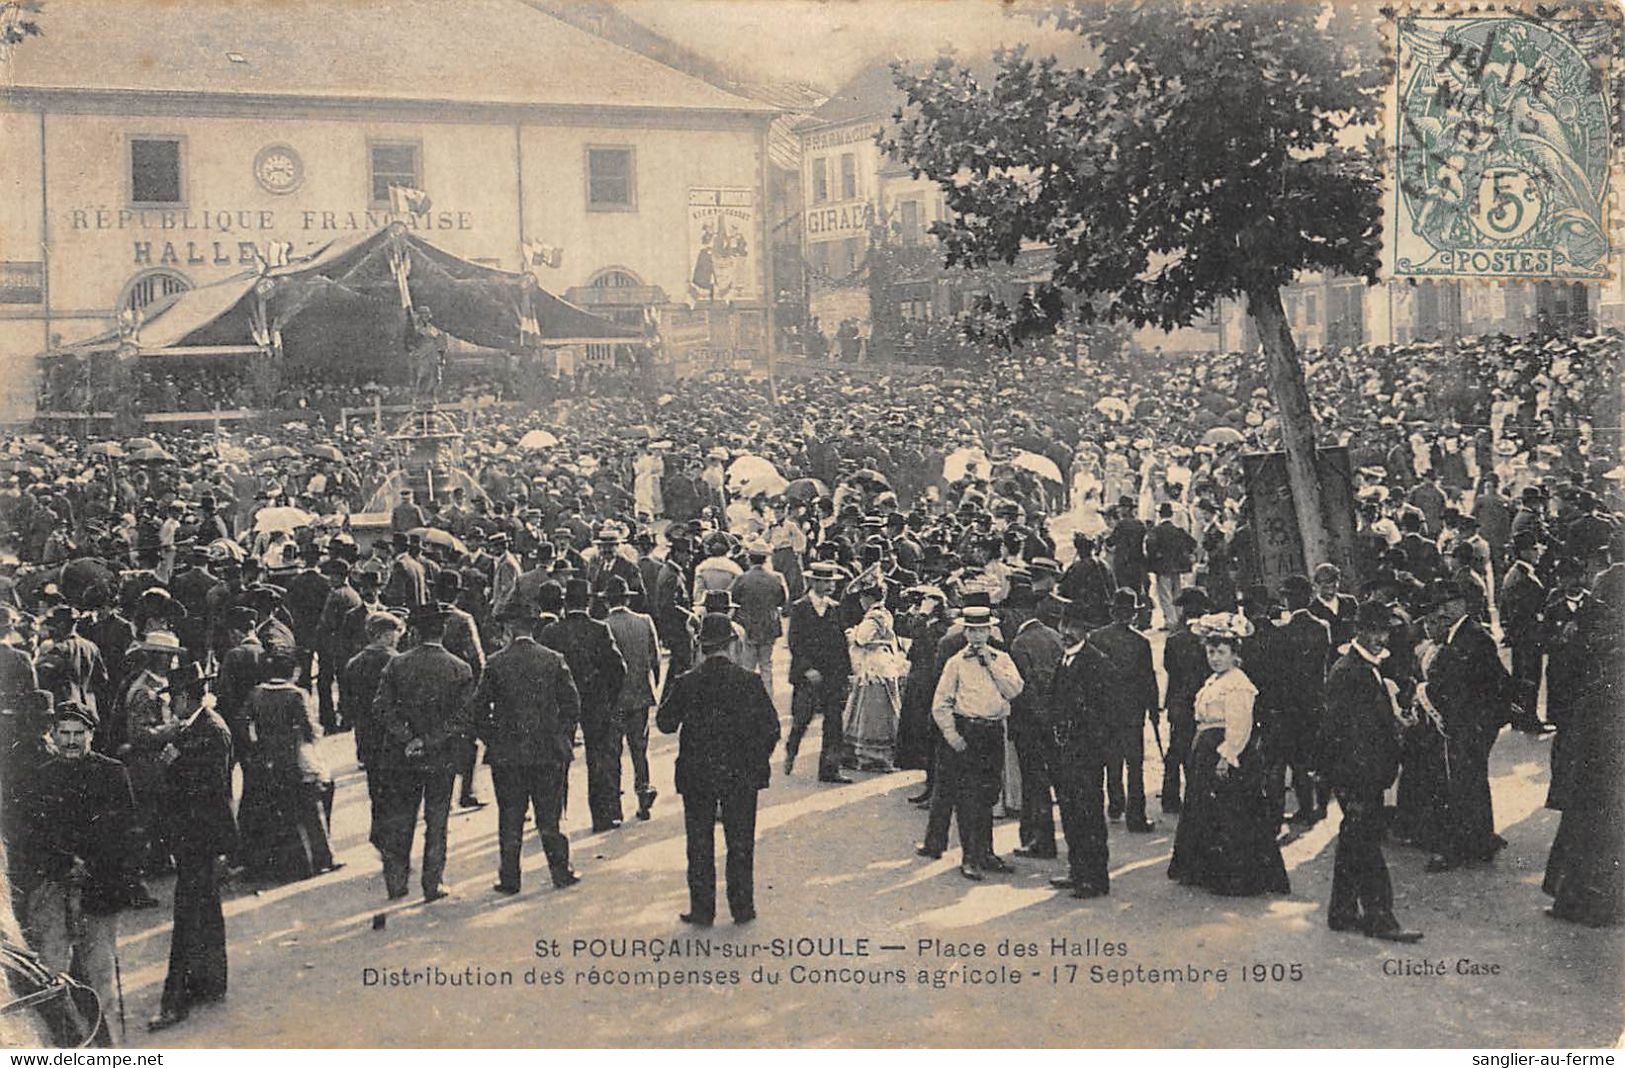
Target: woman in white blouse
[(1226, 837)]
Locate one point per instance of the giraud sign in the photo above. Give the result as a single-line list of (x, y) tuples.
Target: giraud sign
[(197, 237), (834, 222)]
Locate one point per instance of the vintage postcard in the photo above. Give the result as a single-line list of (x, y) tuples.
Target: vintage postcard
[(784, 524)]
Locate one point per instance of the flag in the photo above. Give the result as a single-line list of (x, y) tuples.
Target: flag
[(538, 254), (404, 200), (400, 266)]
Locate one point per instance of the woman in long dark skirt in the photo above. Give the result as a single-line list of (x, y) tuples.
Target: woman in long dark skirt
[(1585, 873), (1226, 837)]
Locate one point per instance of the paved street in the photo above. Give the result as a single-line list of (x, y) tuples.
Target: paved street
[(838, 863)]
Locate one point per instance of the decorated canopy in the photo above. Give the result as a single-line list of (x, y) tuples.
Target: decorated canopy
[(352, 296)]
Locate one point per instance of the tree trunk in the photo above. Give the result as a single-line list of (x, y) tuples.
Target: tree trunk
[(1297, 423)]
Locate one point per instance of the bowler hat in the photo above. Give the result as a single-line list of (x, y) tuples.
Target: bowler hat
[(429, 612), (1374, 615), (616, 589), (1125, 600), (1437, 594), (1192, 599), (716, 631)]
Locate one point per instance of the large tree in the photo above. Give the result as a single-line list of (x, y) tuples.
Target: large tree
[(1206, 150), (18, 23)]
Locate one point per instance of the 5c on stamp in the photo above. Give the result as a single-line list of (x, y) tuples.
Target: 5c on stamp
[(1501, 132)]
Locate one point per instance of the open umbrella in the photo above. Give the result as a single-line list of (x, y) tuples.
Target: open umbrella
[(537, 439), (153, 455), (275, 452), (324, 452), (870, 477), (140, 443), (83, 574), (222, 549), (281, 518), (1042, 466), (966, 462), (39, 448), (1223, 435), (443, 538), (110, 449), (1116, 407), (770, 483), (749, 467), (805, 489)]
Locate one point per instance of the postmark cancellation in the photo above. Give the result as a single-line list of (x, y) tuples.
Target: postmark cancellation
[(1502, 133)]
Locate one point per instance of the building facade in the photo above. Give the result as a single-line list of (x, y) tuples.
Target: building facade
[(129, 180)]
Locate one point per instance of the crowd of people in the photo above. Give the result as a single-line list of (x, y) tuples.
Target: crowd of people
[(966, 575)]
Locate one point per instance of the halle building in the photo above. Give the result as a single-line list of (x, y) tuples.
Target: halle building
[(148, 155)]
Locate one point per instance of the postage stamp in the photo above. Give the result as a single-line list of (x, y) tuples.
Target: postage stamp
[(1501, 131)]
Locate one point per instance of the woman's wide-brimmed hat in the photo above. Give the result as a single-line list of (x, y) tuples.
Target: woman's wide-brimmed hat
[(1222, 626)]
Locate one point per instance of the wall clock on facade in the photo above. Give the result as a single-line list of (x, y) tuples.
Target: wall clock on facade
[(279, 169)]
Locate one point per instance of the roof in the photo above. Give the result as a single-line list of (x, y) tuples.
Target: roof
[(344, 298), (476, 52), (871, 94)]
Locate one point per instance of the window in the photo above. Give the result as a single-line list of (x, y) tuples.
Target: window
[(615, 279), (1309, 309), (820, 180), (151, 288), (909, 222), (610, 179), (155, 170), (849, 176), (394, 163), (849, 256)]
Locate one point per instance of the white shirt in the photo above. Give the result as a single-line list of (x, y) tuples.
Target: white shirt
[(975, 690), (1227, 701)]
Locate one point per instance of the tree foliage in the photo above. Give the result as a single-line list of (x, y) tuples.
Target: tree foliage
[(18, 22), (1212, 149)]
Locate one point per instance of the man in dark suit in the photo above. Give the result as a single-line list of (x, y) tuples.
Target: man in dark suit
[(241, 669), (1361, 753), (1081, 739), (635, 637), (670, 604), (1305, 642), (421, 712), (462, 640), (331, 654), (359, 687), (1523, 597), (1087, 582), (1334, 607), (1472, 695), (1169, 552), (525, 709), (1037, 649), (198, 787), (408, 584), (726, 730), (599, 670), (1184, 660), (762, 598), (1127, 545), (1420, 551), (820, 667), (1130, 695)]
